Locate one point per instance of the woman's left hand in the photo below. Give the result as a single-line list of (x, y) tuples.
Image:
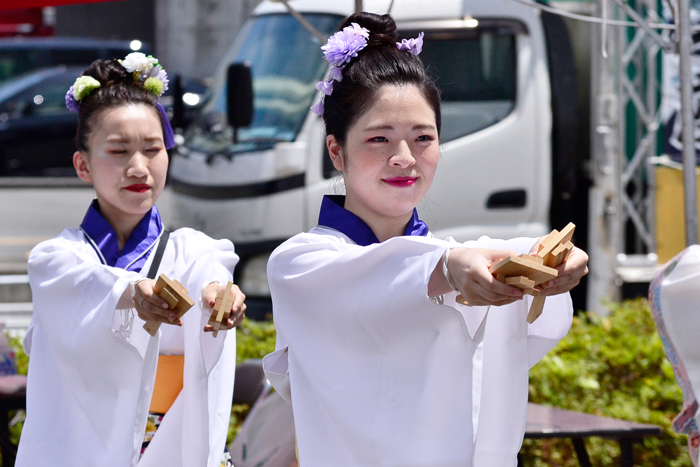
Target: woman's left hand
[(570, 273), (237, 309)]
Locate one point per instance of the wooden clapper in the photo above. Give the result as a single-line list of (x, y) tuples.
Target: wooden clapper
[(528, 271)]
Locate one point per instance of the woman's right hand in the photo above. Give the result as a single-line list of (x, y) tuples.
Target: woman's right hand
[(150, 306), (469, 270)]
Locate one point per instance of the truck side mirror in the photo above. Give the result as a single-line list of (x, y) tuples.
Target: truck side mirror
[(240, 96)]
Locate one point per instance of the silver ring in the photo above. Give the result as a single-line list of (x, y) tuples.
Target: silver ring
[(141, 302)]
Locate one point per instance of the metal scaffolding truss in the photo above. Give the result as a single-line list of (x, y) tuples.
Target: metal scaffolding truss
[(639, 91), (626, 119), (626, 81)]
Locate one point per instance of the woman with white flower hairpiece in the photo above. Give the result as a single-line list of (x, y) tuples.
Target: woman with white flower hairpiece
[(102, 391), (381, 365)]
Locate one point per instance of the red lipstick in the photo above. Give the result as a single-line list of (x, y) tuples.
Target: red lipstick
[(401, 181), (138, 188)]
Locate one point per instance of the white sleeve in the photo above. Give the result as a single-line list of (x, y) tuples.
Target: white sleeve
[(511, 348), (557, 315), (75, 298), (388, 274), (205, 261), (88, 369), (208, 260), (679, 297), (194, 430), (327, 287)]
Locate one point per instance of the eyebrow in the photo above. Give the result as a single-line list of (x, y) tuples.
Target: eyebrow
[(117, 139), (425, 127), (390, 127)]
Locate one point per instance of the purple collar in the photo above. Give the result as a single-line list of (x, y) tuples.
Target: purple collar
[(138, 247), (335, 216)]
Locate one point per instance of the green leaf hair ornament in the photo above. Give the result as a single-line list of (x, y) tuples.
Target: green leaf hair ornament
[(83, 86), (154, 85)]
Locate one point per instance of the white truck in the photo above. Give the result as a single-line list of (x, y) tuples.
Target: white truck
[(509, 165)]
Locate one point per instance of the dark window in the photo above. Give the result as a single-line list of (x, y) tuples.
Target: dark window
[(476, 73), (46, 98), (15, 62), (75, 56)]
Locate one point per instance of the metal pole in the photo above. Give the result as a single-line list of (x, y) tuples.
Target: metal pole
[(685, 47), (358, 6), (304, 22), (604, 226)]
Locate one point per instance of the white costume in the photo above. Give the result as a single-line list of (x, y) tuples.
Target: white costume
[(380, 375), (92, 367)]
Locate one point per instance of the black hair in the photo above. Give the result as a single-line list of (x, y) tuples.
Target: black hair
[(377, 65), (117, 88)]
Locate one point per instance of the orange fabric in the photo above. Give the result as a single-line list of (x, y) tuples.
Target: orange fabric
[(169, 377)]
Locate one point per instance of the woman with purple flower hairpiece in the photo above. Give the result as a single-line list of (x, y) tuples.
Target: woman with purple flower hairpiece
[(102, 390), (382, 366)]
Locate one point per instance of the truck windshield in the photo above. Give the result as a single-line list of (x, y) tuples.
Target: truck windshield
[(286, 62), (476, 73)]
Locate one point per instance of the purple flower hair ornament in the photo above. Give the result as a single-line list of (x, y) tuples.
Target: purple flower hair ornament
[(343, 46), (338, 51), (415, 46), (336, 74), (317, 108), (71, 103), (326, 87)]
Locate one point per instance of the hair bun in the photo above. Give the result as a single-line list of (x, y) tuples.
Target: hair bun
[(108, 72), (382, 28)]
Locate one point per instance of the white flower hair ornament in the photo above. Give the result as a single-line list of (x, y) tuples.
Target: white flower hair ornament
[(146, 72), (138, 62), (342, 47)]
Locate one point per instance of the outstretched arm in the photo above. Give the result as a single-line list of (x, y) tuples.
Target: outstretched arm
[(469, 270)]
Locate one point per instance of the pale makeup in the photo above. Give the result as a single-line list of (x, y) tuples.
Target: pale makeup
[(126, 163), (389, 159)]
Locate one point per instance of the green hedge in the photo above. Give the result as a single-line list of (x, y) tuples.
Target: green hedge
[(254, 339), (613, 366), (22, 364)]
